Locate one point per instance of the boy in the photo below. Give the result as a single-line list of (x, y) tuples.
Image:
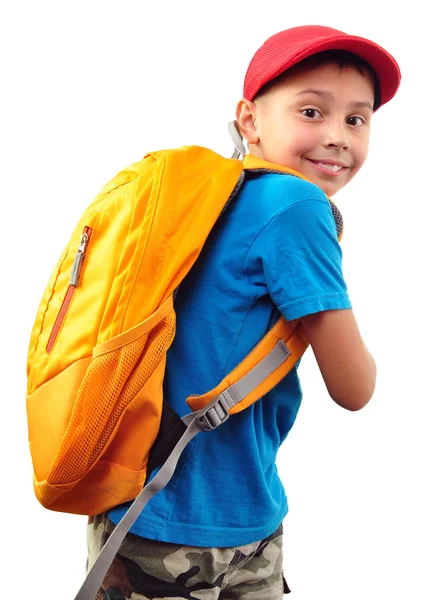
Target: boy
[(216, 530)]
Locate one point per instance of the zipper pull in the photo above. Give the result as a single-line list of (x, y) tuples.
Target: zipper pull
[(77, 263)]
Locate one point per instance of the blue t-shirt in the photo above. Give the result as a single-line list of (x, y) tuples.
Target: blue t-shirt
[(274, 249)]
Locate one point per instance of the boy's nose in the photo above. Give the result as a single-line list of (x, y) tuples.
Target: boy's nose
[(337, 137)]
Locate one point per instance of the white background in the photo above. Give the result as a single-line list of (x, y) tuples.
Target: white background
[(87, 89)]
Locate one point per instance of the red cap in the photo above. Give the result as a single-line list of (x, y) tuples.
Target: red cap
[(285, 49)]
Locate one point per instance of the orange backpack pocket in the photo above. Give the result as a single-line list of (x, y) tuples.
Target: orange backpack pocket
[(105, 414)]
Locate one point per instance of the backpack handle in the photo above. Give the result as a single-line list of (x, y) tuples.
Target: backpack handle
[(237, 138)]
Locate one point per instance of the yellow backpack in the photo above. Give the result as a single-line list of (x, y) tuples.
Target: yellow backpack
[(97, 353)]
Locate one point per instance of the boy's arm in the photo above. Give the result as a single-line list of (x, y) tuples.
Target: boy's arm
[(348, 369)]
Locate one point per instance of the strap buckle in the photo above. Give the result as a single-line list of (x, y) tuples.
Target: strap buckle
[(215, 414)]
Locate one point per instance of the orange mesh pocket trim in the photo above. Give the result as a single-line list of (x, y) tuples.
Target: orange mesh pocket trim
[(111, 382)]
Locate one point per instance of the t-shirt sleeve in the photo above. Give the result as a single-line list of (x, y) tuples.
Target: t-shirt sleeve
[(302, 260)]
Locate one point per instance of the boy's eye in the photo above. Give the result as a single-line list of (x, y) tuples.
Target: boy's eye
[(355, 121), (311, 113)]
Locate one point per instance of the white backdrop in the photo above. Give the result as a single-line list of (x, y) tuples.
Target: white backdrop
[(87, 89)]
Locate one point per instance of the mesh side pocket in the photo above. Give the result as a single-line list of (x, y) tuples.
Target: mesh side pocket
[(110, 384)]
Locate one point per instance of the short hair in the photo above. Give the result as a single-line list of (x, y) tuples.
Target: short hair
[(342, 58)]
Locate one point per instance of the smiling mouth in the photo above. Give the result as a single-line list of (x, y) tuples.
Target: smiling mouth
[(329, 167)]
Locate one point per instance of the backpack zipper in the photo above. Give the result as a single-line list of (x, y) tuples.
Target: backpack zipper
[(73, 284)]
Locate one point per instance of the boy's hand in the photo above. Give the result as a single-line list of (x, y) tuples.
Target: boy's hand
[(348, 369)]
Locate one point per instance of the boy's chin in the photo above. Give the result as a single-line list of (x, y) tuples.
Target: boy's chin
[(329, 188)]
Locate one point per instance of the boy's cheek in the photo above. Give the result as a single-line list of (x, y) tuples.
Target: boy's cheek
[(360, 160)]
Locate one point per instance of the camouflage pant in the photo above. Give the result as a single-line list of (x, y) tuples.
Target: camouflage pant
[(148, 570)]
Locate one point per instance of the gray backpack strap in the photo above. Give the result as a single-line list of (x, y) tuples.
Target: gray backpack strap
[(99, 569), (236, 136), (206, 419)]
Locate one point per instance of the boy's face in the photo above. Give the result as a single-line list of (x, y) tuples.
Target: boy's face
[(315, 121)]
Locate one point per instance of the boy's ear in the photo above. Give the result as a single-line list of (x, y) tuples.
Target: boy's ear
[(246, 117)]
